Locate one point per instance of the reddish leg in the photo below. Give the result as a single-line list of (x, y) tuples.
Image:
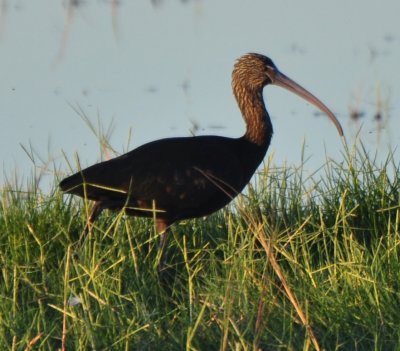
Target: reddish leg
[(97, 208), (162, 227)]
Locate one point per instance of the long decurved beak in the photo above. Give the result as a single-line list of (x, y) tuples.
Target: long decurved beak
[(285, 82)]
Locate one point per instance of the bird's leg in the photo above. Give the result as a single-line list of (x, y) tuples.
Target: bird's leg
[(162, 227), (97, 208)]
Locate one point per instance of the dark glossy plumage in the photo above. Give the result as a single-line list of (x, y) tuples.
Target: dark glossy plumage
[(195, 176), (185, 182)]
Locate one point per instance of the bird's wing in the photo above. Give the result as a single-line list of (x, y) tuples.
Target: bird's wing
[(178, 174), (184, 176)]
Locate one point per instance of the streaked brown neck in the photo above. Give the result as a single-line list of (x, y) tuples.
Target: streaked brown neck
[(258, 123)]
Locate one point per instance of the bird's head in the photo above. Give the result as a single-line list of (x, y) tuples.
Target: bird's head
[(252, 72)]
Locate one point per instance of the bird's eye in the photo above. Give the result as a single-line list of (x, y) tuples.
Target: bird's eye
[(270, 73)]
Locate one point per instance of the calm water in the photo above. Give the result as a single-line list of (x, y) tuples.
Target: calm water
[(157, 69)]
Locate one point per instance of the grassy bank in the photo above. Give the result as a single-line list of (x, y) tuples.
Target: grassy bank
[(298, 263)]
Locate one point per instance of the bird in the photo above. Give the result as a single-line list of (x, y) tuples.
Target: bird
[(179, 178)]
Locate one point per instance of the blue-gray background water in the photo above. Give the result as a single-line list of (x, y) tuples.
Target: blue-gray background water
[(163, 68)]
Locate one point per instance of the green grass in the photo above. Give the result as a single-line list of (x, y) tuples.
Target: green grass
[(300, 262)]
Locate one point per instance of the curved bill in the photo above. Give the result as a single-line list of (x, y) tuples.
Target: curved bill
[(285, 82)]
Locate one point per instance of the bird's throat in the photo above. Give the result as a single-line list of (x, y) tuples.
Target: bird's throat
[(258, 123)]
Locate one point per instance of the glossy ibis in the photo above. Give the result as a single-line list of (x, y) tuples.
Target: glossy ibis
[(180, 178)]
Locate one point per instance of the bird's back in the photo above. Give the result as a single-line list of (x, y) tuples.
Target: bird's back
[(184, 177)]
